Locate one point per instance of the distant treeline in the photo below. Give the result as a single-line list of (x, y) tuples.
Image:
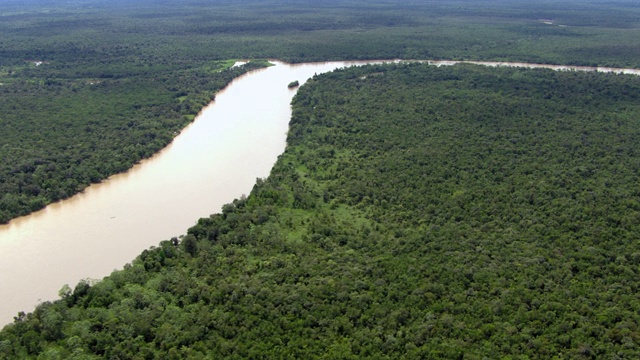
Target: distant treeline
[(418, 212), (103, 36)]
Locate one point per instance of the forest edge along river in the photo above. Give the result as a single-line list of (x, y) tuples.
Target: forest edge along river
[(217, 158)]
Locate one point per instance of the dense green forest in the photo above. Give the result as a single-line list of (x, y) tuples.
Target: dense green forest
[(418, 212), (90, 87), (154, 34)]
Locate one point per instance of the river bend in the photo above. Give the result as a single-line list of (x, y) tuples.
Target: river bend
[(217, 158)]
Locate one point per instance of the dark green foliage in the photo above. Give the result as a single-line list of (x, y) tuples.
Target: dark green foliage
[(418, 212), (57, 138)]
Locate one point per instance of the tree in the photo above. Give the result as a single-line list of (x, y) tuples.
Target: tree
[(190, 244)]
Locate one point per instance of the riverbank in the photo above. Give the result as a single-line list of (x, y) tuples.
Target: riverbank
[(60, 137), (213, 161)]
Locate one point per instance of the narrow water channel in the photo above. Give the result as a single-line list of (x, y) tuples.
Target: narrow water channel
[(234, 140)]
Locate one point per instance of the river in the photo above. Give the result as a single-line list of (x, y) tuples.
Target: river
[(217, 158), (233, 141)]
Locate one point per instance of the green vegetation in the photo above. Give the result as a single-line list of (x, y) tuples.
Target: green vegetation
[(293, 84), (60, 136), (91, 87), (454, 212), (154, 34), (427, 213)]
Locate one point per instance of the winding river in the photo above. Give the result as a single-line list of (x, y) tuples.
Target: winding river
[(217, 158)]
